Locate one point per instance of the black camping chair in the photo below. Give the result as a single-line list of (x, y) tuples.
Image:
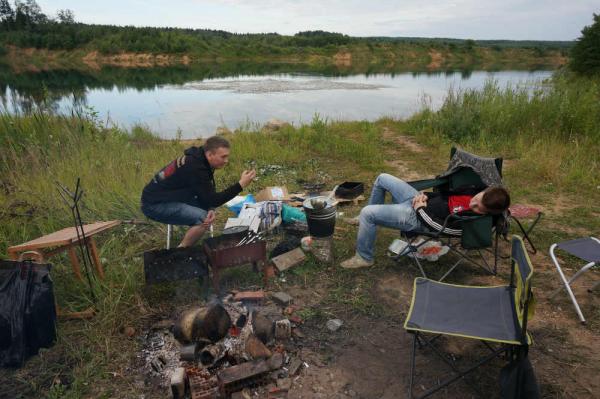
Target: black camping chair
[(497, 316), (479, 232)]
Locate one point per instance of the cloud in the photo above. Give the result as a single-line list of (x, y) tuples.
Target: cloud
[(477, 19)]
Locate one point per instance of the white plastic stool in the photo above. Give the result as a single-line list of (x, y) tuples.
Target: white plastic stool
[(587, 249)]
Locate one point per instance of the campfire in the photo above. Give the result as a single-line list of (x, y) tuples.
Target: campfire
[(237, 347)]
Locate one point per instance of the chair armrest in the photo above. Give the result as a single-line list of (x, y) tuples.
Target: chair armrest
[(466, 216), (427, 183)]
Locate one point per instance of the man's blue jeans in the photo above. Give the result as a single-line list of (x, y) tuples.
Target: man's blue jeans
[(399, 215)]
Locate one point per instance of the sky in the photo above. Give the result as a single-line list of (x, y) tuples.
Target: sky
[(462, 19)]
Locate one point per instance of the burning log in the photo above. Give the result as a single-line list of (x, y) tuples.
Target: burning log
[(212, 353), (202, 324), (262, 326), (256, 349)]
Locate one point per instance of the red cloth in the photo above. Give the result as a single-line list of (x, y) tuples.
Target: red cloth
[(459, 203), (523, 211)]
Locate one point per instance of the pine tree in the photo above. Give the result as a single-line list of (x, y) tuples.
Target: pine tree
[(7, 14), (585, 55)]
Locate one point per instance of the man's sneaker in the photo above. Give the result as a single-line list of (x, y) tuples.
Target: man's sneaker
[(353, 221), (356, 262)]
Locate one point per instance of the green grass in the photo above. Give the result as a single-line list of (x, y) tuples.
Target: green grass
[(549, 138), (550, 133), (41, 149)]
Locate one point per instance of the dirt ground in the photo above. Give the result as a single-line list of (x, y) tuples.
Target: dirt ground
[(368, 357)]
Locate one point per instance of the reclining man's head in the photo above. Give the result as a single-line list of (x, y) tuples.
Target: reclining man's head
[(216, 150), (493, 200)]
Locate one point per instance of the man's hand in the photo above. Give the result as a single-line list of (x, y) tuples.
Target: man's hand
[(210, 218), (419, 201), (247, 177)]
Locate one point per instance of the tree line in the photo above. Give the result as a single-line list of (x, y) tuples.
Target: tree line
[(24, 24)]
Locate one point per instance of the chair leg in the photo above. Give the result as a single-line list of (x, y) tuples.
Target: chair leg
[(458, 374), (411, 248), (496, 254), (567, 283), (451, 269), (484, 265), (169, 231), (412, 366), (526, 232)]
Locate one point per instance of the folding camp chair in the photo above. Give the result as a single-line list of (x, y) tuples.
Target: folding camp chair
[(497, 316), (477, 230), (518, 212), (587, 249)]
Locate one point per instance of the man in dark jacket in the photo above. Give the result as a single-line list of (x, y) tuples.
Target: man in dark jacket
[(184, 192), (411, 210)]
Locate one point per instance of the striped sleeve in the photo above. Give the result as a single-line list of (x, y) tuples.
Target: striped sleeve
[(428, 220)]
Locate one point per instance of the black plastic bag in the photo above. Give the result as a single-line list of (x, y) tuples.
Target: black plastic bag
[(27, 311), (517, 380)]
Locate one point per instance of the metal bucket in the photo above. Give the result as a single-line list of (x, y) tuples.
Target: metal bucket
[(320, 220)]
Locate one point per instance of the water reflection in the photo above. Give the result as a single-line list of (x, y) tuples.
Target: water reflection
[(199, 98)]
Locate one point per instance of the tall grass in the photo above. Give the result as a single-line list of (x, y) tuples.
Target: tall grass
[(42, 148), (551, 131)]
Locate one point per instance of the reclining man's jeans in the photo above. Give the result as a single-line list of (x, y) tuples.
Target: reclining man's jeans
[(399, 215)]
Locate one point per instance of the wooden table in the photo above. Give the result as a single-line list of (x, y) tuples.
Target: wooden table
[(66, 240)]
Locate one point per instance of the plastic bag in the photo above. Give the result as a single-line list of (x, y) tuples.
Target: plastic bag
[(289, 214), (431, 250), (27, 311)]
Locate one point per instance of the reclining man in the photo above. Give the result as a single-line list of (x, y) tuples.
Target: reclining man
[(184, 192), (414, 211)]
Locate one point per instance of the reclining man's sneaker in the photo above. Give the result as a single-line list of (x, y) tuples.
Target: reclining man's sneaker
[(353, 221), (356, 262)]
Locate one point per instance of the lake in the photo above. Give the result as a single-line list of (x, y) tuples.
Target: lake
[(196, 103)]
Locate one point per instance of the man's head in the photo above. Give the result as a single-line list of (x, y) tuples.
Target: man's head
[(216, 150), (493, 200)]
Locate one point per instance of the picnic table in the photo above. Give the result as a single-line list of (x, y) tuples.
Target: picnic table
[(66, 240)]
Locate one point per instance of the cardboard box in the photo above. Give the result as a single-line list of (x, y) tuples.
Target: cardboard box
[(275, 193)]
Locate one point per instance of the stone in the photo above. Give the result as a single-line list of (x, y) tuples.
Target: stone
[(178, 383), (334, 324), (282, 298), (284, 384), (295, 366), (289, 259)]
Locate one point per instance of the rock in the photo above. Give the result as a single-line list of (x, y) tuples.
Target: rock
[(276, 361), (297, 333), (334, 324), (282, 298), (284, 384), (295, 366)]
